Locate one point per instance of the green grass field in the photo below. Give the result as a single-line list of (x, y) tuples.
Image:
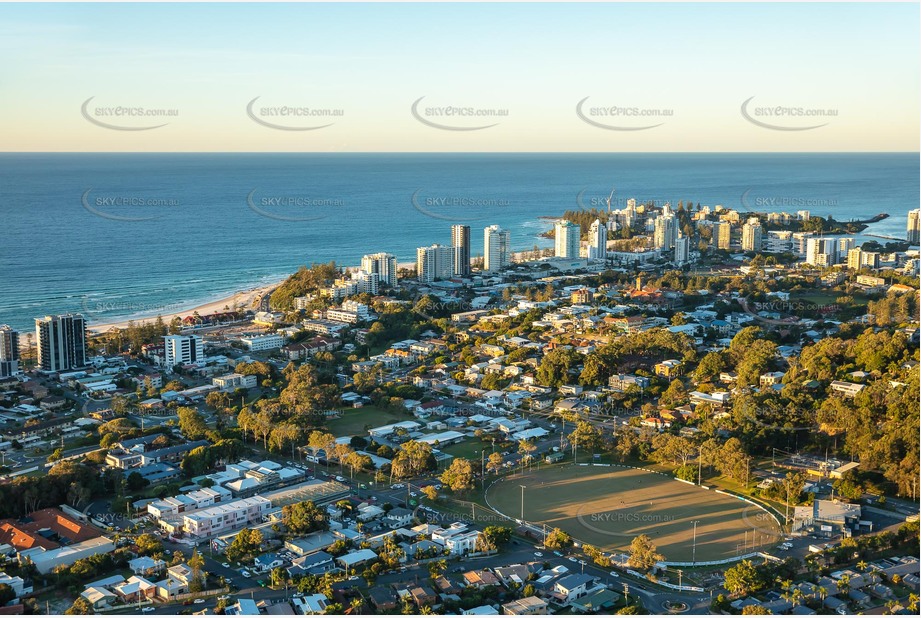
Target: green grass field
[(354, 420), (609, 506)]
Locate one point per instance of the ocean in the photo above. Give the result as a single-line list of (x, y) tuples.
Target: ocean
[(127, 235)]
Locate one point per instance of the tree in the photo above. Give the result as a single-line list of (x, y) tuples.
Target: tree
[(755, 610), (459, 475), (196, 563), (246, 544), (555, 366), (148, 545), (136, 482), (557, 539), (497, 535), (495, 462), (643, 554), (743, 578), (80, 607), (304, 517), (430, 492), (192, 423), (412, 459), (7, 594), (586, 436)]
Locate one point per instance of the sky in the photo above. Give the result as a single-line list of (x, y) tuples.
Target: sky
[(483, 77)]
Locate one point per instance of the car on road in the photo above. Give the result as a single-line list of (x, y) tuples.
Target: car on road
[(556, 553), (244, 573), (538, 554), (571, 559), (614, 574), (147, 610), (413, 494), (199, 601), (226, 565), (354, 578)]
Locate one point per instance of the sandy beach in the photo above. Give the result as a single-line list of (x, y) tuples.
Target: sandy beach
[(243, 299)]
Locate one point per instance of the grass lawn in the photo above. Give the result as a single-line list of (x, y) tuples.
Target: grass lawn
[(354, 420), (608, 507), (468, 449)]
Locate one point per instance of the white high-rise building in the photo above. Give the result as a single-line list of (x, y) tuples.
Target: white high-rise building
[(666, 230), (778, 241), (822, 251), (496, 248), (460, 241), (61, 342), (845, 245), (597, 240), (434, 262), (182, 350), (682, 250), (566, 237), (752, 235), (384, 265), (798, 242), (914, 226)]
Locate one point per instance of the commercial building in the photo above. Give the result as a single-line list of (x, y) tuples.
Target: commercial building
[(496, 248), (460, 243), (434, 262), (225, 517), (566, 239), (233, 381), (61, 342), (182, 350), (260, 343), (384, 265)]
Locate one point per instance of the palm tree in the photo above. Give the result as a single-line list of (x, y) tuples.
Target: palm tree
[(912, 602), (797, 597), (823, 592), (862, 565)]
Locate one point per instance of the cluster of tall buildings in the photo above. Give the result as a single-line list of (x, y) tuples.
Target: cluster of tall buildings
[(443, 262), (823, 251)]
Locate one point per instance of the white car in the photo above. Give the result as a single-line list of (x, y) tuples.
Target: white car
[(354, 578), (571, 559), (198, 601), (244, 573), (614, 574), (147, 610), (538, 554), (413, 494), (226, 565)]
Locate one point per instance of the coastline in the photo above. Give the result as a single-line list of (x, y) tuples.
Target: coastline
[(242, 299)]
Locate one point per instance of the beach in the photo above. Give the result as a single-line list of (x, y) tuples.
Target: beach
[(243, 299)]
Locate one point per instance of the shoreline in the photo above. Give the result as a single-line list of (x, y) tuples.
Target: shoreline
[(243, 299)]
